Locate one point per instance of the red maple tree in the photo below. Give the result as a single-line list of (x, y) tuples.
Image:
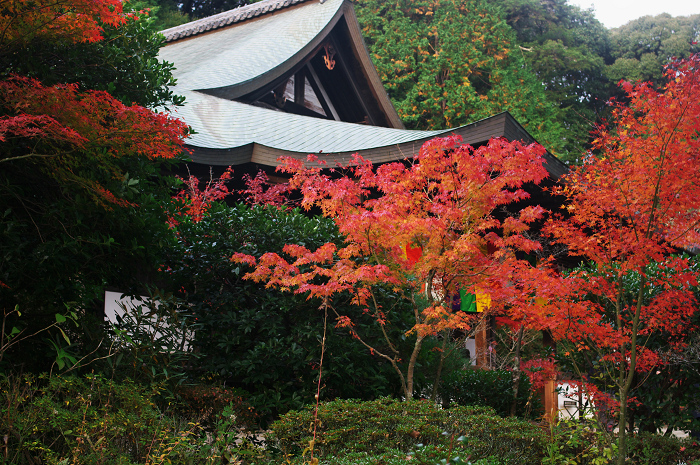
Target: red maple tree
[(629, 207), (22, 21), (61, 128), (446, 202)]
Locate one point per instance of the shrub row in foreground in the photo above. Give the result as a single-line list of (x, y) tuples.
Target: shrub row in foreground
[(386, 425)]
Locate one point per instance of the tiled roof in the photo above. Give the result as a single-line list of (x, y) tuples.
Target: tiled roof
[(225, 124), (230, 133), (226, 18), (214, 69), (253, 53)]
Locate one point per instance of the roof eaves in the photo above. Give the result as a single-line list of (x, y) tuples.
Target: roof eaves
[(226, 18)]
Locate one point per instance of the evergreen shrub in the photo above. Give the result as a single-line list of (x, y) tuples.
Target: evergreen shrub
[(654, 449), (386, 425), (490, 388), (90, 420)]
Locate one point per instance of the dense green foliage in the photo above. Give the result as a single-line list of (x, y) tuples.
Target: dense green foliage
[(567, 49), (264, 341), (584, 443), (87, 421), (641, 48), (489, 388), (445, 64), (654, 449), (61, 242), (92, 420), (385, 425)]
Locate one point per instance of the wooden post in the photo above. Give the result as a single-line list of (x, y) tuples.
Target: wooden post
[(481, 342), (551, 400)]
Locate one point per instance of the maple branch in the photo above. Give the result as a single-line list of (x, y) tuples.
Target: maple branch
[(384, 333), (29, 155), (391, 360), (691, 227), (37, 26), (663, 156), (41, 238)]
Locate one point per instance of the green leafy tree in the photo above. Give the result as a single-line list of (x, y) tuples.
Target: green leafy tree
[(641, 48), (448, 63), (124, 63), (169, 13), (80, 183), (568, 49)]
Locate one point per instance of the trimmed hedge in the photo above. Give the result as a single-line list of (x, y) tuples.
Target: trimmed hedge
[(386, 425), (655, 449), (491, 388)]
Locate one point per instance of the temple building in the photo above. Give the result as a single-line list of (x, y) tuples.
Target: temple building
[(293, 77)]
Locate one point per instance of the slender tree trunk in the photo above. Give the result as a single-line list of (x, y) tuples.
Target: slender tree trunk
[(516, 371), (436, 383), (412, 367), (627, 374)]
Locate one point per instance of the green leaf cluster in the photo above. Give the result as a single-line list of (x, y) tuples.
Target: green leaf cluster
[(446, 64), (386, 425), (490, 388)]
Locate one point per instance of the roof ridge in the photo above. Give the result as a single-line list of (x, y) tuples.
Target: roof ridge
[(226, 18)]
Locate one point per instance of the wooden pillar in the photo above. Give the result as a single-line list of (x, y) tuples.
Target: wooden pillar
[(551, 400), (481, 341)]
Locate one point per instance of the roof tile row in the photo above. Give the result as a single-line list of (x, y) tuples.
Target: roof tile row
[(226, 18)]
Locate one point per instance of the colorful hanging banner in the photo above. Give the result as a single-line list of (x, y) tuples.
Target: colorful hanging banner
[(412, 254), (483, 301)]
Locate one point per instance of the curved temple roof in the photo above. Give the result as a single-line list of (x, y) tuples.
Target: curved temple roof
[(254, 51), (222, 60)]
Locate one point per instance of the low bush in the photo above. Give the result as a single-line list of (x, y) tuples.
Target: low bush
[(386, 425), (203, 403), (582, 443), (654, 449), (427, 455), (574, 442), (491, 388), (92, 420)]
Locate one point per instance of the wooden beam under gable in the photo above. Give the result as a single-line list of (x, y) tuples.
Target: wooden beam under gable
[(321, 93)]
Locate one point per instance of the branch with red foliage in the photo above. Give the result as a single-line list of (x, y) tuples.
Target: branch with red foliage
[(445, 202), (60, 128), (260, 191), (194, 202), (22, 21)]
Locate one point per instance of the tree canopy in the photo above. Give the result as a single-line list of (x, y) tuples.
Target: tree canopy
[(643, 47), (567, 49), (79, 186), (628, 210), (427, 234), (447, 63)]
